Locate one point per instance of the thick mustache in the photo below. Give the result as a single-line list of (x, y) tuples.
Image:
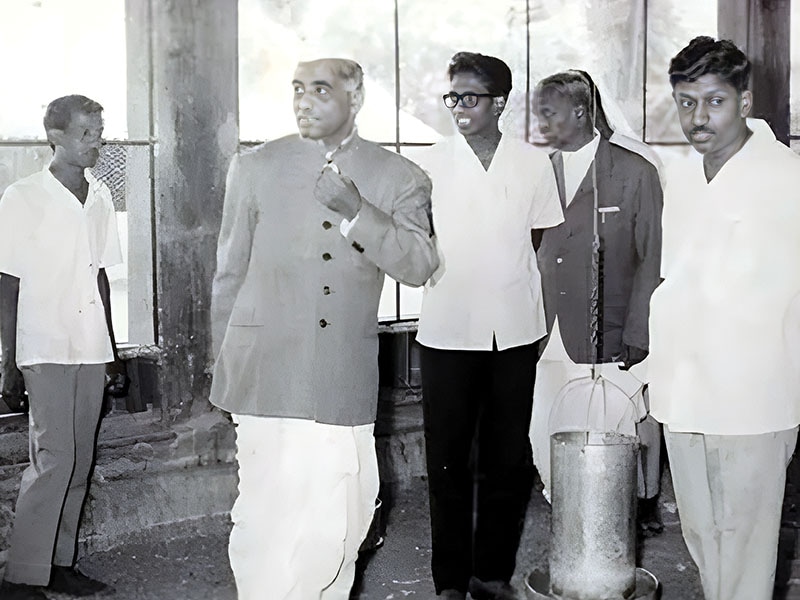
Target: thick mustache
[(700, 130)]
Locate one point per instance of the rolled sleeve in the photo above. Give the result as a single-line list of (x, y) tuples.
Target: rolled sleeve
[(399, 243)]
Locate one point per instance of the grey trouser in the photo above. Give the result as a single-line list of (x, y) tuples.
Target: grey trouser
[(65, 404), (729, 490)]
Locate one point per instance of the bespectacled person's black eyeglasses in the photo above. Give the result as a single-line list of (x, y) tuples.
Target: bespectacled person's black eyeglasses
[(467, 100)]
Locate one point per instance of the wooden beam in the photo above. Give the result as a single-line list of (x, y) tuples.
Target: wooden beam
[(761, 28)]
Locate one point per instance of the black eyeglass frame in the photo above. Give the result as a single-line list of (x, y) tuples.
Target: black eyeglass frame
[(450, 96)]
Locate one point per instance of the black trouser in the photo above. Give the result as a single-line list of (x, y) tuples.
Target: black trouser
[(477, 409)]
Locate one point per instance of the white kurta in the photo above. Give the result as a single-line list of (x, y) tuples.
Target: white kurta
[(488, 283), (725, 323)]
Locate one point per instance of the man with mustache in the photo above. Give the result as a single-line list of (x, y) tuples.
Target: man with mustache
[(311, 223), (58, 234), (724, 362)]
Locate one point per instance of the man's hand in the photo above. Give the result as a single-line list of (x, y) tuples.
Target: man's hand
[(14, 388), (631, 355), (337, 192)]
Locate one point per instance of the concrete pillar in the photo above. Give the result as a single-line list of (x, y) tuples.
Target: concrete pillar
[(138, 180), (761, 28), (195, 90)]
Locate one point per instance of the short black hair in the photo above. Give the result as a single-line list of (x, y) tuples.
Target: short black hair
[(60, 111), (493, 72), (581, 90), (706, 55)]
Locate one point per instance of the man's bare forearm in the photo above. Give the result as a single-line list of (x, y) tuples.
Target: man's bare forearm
[(105, 295)]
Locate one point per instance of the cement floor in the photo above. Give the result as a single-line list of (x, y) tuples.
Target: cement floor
[(190, 562)]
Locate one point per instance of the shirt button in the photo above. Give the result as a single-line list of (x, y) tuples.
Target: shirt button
[(323, 323), (326, 290), (326, 256), (327, 224), (559, 260)]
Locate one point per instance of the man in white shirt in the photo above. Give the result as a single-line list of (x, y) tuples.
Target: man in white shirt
[(725, 324), (58, 233)]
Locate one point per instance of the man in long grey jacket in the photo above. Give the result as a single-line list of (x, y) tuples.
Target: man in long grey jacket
[(593, 161), (311, 224)]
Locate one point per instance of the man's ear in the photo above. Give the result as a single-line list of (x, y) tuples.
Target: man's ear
[(356, 101), (746, 103), (55, 136)]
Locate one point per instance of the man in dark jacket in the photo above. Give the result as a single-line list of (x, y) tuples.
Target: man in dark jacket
[(596, 169)]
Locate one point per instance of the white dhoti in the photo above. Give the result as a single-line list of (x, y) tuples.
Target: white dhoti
[(555, 370), (729, 490), (306, 499)]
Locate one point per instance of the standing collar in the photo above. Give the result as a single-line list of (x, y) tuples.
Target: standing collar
[(343, 145)]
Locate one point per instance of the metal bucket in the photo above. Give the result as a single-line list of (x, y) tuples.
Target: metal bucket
[(537, 586), (593, 543)]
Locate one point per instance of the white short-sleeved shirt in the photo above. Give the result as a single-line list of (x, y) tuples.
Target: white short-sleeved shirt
[(725, 323), (55, 245), (488, 284)]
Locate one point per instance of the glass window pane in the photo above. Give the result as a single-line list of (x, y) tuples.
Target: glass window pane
[(52, 48), (430, 33), (17, 162), (387, 308), (601, 37), (671, 25), (275, 34), (125, 169), (410, 301)]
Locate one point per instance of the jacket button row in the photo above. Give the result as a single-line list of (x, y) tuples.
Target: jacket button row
[(326, 256), (327, 224), (323, 323)]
